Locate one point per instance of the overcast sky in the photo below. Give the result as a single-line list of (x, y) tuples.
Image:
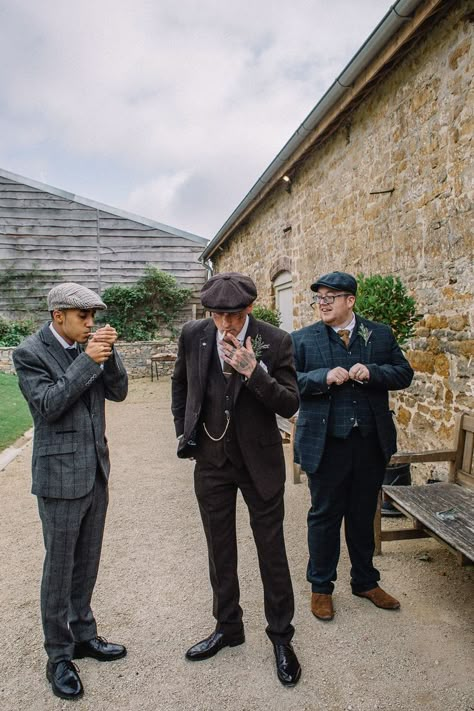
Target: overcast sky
[(170, 109)]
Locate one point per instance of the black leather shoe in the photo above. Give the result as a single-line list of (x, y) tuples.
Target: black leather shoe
[(64, 679), (98, 648), (213, 644), (288, 666)]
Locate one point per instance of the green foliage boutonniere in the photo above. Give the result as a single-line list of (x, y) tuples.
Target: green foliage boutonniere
[(364, 333), (259, 346)]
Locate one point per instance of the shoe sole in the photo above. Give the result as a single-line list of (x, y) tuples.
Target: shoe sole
[(323, 619), (290, 684), (82, 655), (364, 597), (57, 693), (198, 658)]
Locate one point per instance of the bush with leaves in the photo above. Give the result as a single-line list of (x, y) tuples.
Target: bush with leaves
[(385, 299), (13, 332), (269, 315), (140, 311)]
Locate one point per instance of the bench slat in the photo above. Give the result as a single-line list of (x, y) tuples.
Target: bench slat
[(467, 454), (422, 503), (433, 455)]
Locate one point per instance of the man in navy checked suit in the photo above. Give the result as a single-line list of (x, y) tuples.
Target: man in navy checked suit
[(345, 435)]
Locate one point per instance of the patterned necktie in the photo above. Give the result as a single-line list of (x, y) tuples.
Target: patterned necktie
[(345, 335)]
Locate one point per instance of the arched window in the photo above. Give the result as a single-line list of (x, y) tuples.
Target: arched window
[(283, 286)]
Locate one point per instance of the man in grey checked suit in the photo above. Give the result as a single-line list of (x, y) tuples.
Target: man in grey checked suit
[(345, 435), (65, 374)]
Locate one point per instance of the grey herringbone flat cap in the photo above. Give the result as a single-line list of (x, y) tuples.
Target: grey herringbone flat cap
[(73, 296), (228, 292)]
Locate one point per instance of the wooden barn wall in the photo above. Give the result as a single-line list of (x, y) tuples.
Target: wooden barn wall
[(62, 240)]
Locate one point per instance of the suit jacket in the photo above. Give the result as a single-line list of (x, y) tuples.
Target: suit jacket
[(256, 401), (69, 433), (389, 370)]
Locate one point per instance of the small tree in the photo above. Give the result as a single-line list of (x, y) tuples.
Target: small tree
[(269, 315), (385, 299), (138, 312)]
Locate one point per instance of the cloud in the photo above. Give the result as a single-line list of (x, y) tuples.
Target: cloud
[(178, 106)]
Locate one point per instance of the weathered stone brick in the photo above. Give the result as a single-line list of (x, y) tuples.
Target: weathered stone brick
[(421, 361)]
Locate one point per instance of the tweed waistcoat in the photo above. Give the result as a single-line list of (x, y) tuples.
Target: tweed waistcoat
[(218, 399), (349, 402)]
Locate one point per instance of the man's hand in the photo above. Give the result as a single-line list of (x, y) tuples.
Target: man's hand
[(98, 351), (106, 334), (359, 373), (241, 358), (337, 376)]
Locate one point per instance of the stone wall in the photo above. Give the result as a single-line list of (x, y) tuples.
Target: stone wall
[(411, 136), (6, 363), (136, 357)]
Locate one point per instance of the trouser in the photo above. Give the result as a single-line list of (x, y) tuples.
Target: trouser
[(345, 486), (216, 491), (72, 531)]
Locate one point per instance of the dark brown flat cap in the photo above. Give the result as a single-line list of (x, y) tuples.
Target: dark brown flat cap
[(228, 292)]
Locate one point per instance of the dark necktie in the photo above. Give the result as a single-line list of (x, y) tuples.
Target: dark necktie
[(72, 352), (345, 335)]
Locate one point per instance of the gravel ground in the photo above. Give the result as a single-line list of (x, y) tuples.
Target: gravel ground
[(153, 595)]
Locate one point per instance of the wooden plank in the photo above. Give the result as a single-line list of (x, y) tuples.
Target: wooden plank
[(465, 479), (466, 465), (433, 455), (468, 423), (423, 503), (403, 534), (284, 425), (53, 221)]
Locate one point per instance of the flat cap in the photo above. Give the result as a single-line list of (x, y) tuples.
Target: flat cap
[(337, 280), (228, 292), (73, 296)]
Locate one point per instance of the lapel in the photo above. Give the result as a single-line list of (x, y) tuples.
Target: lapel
[(365, 349), (206, 344), (55, 348), (252, 330), (321, 339)]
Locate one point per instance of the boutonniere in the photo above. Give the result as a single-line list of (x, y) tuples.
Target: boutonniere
[(364, 333), (259, 346)]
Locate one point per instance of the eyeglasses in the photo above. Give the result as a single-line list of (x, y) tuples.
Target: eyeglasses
[(328, 299)]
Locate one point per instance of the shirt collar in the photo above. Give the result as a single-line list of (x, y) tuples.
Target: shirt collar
[(61, 340), (350, 326)]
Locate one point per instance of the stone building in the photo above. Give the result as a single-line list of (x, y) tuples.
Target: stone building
[(378, 179)]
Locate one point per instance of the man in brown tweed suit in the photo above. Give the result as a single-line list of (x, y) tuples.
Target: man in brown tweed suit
[(225, 420), (65, 375)]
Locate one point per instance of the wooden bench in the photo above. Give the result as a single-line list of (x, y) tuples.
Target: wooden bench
[(287, 427), (157, 358), (444, 511)]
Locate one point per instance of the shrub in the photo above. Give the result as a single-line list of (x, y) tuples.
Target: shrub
[(13, 332), (385, 299), (269, 315), (139, 312)]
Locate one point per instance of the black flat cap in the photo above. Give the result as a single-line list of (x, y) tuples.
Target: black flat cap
[(337, 280), (228, 292)]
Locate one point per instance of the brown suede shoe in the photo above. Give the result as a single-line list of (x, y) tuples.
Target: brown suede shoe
[(321, 606), (380, 598)]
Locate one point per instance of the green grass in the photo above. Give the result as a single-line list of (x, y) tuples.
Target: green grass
[(15, 416)]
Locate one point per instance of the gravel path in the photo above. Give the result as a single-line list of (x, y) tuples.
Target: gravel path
[(153, 595)]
